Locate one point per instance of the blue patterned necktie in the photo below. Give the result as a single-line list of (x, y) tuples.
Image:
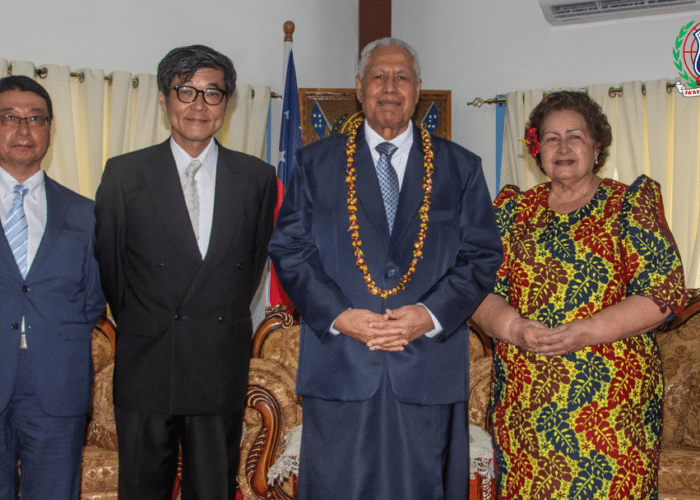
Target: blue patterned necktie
[(17, 229), (388, 181)]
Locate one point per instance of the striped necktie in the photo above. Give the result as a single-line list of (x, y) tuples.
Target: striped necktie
[(17, 229)]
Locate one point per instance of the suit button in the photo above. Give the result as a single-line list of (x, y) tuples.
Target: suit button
[(222, 319), (15, 326), (25, 288), (178, 317), (240, 265), (391, 273), (160, 263)]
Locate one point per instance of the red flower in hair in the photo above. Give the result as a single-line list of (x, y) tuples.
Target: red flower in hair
[(533, 145)]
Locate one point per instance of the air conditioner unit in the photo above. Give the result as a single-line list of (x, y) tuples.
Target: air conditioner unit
[(563, 12)]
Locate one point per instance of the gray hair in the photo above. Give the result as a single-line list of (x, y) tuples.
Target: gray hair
[(393, 42)]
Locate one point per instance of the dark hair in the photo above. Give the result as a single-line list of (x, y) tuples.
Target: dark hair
[(597, 122), (26, 84), (184, 62)]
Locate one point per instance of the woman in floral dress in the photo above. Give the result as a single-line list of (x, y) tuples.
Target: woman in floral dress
[(590, 268)]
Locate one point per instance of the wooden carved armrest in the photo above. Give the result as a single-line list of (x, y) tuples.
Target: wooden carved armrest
[(272, 410)]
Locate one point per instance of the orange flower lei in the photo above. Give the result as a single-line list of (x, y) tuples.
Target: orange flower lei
[(428, 156)]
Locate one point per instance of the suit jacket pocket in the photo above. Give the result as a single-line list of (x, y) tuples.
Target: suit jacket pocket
[(134, 324)]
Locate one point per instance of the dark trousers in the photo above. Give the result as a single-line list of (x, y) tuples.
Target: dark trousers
[(49, 447), (148, 449)]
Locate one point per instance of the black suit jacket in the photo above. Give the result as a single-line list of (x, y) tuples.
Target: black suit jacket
[(183, 324), (313, 256)]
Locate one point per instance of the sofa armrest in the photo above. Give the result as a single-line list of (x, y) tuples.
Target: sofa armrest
[(480, 392), (272, 407)]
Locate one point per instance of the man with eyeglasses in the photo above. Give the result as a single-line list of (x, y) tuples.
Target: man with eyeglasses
[(50, 300), (182, 233)]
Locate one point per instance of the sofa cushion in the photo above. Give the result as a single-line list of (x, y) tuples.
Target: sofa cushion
[(100, 473), (680, 357), (679, 470), (480, 391), (102, 430)]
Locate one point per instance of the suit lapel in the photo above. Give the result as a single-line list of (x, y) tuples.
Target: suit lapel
[(6, 253), (164, 185), (369, 194), (411, 195), (56, 210), (229, 194)]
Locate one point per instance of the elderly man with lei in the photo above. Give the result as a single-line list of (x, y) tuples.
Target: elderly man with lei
[(590, 268), (386, 242)]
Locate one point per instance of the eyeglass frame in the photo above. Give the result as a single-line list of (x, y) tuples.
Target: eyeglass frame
[(177, 88), (33, 122)]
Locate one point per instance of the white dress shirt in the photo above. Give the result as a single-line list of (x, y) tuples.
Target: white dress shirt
[(206, 183), (34, 207)]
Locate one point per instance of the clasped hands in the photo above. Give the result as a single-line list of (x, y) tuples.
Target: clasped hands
[(390, 331), (533, 336)]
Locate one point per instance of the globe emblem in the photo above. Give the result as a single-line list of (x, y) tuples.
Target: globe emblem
[(690, 54)]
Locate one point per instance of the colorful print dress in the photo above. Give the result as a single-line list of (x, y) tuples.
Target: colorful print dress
[(585, 425)]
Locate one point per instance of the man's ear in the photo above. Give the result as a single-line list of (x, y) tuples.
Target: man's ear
[(163, 101)]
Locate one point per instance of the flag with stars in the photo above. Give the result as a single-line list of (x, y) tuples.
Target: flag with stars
[(431, 119), (290, 133), (318, 120)]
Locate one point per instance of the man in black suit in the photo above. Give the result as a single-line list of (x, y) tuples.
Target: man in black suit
[(182, 233)]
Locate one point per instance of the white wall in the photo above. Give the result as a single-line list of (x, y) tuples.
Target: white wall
[(488, 48)]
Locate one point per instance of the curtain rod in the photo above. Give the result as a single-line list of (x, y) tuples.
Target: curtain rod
[(80, 75), (612, 92)]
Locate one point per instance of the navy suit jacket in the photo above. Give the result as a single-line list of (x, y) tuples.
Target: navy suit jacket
[(61, 300), (313, 256)]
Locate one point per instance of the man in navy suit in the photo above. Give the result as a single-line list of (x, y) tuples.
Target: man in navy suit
[(182, 234), (384, 289), (50, 300)]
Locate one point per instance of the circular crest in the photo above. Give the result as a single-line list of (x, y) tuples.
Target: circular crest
[(687, 55)]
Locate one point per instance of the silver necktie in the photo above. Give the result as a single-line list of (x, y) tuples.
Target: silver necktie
[(192, 195)]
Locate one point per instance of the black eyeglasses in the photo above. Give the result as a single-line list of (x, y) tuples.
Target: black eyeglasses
[(189, 94), (32, 121)]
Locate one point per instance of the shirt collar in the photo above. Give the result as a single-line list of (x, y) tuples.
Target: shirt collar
[(182, 159), (7, 183), (403, 141)]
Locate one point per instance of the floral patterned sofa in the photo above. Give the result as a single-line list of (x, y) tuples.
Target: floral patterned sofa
[(679, 343), (99, 474)]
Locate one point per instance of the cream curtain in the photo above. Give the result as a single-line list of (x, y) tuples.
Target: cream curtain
[(655, 132), (95, 119)]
